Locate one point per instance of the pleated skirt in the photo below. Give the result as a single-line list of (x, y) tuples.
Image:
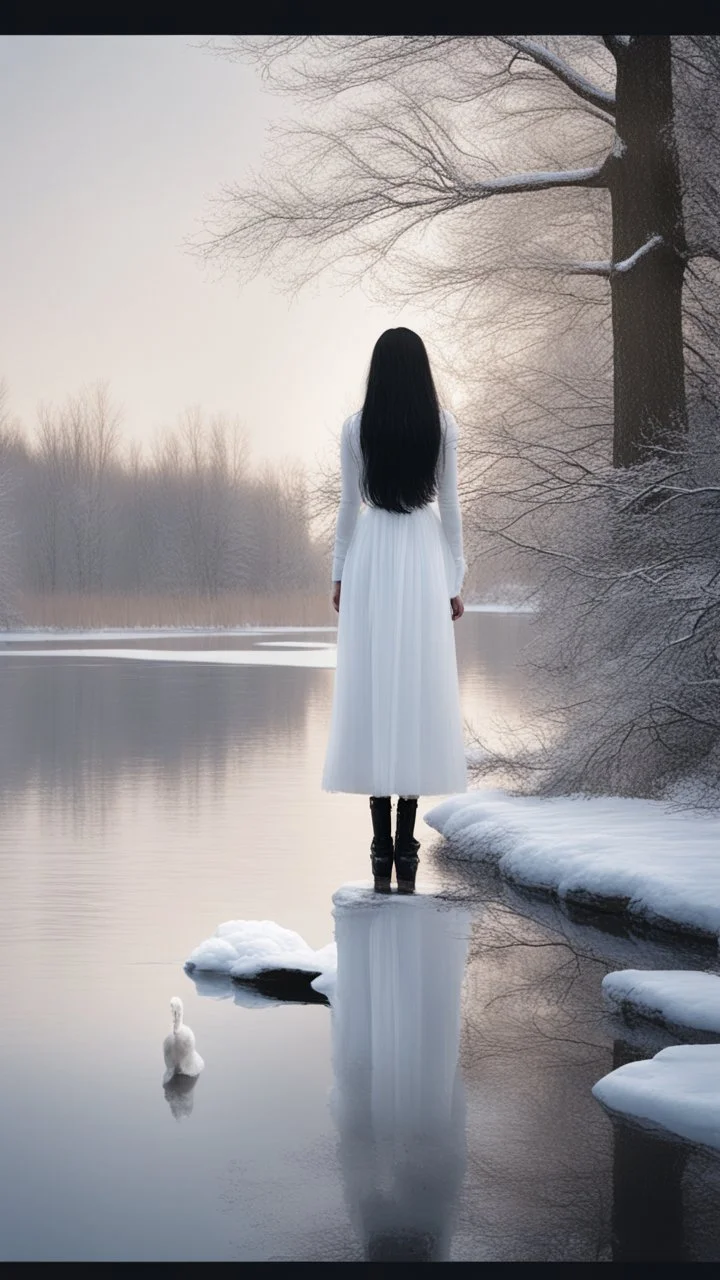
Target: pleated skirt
[(396, 725)]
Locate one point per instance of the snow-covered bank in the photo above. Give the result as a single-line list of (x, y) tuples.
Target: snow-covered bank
[(618, 854), (677, 998), (677, 1090)]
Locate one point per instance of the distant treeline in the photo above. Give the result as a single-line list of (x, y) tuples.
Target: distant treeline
[(83, 513)]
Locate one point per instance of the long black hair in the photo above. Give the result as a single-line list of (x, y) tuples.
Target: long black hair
[(400, 432)]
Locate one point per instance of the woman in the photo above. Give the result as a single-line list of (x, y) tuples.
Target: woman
[(396, 726)]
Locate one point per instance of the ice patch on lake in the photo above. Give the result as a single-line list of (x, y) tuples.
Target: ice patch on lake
[(295, 644), (677, 1090), (663, 865), (500, 608), (38, 634), (324, 657), (245, 949), (680, 997)]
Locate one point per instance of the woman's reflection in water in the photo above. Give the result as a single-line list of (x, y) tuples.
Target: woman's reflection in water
[(398, 1099)]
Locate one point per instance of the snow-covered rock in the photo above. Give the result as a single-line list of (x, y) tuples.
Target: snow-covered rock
[(247, 949), (678, 1090), (675, 997), (632, 855)]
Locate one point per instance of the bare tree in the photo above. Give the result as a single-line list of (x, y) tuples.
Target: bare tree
[(602, 288), (207, 537), (79, 513), (408, 133), (92, 433), (12, 455)]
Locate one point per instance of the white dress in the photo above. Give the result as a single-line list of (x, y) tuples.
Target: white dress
[(396, 726)]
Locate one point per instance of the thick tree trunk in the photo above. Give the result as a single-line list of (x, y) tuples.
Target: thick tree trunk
[(644, 180)]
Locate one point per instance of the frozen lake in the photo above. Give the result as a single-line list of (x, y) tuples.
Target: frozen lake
[(153, 787)]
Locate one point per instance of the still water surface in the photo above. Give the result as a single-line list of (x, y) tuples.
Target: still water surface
[(443, 1109)]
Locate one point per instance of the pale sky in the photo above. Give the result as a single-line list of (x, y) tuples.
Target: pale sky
[(110, 150)]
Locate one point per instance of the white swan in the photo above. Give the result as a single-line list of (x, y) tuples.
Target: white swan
[(181, 1058)]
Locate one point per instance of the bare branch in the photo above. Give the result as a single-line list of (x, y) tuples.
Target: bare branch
[(627, 264), (603, 269), (584, 89), (520, 182)]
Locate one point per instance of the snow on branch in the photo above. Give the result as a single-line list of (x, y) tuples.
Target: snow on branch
[(613, 268), (539, 181), (627, 264), (583, 87)]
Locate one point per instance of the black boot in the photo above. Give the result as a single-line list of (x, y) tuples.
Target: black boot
[(381, 849), (406, 846)]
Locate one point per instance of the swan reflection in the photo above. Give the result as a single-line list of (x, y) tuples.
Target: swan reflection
[(179, 1095), (398, 1099)]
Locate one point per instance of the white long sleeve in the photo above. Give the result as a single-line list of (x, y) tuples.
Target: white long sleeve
[(350, 499), (448, 500)]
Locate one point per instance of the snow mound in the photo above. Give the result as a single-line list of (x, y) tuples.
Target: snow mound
[(682, 998), (677, 1090), (656, 863), (245, 949)]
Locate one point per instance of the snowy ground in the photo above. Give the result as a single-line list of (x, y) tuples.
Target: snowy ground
[(678, 1090), (638, 857), (632, 855), (678, 998)]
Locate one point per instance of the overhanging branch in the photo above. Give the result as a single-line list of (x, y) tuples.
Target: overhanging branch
[(540, 181), (579, 84)]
